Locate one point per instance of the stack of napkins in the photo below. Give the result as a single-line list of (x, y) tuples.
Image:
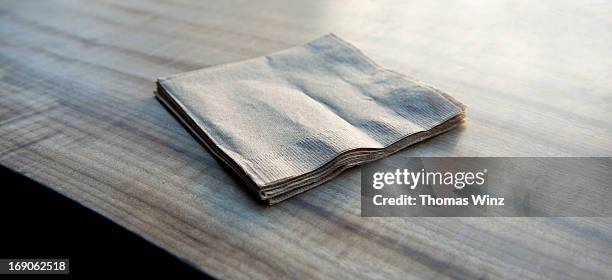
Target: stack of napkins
[(295, 119)]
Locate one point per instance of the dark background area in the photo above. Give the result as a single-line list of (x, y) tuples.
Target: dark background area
[(37, 222)]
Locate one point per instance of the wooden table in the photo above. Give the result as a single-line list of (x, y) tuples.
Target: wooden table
[(77, 114)]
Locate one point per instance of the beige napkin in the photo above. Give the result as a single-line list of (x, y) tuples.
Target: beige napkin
[(289, 121)]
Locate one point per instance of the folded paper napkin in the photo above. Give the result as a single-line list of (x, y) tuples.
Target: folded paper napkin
[(292, 120)]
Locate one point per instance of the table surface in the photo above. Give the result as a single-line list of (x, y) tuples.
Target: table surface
[(77, 113)]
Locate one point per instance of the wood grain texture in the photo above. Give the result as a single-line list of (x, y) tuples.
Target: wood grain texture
[(77, 113)]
